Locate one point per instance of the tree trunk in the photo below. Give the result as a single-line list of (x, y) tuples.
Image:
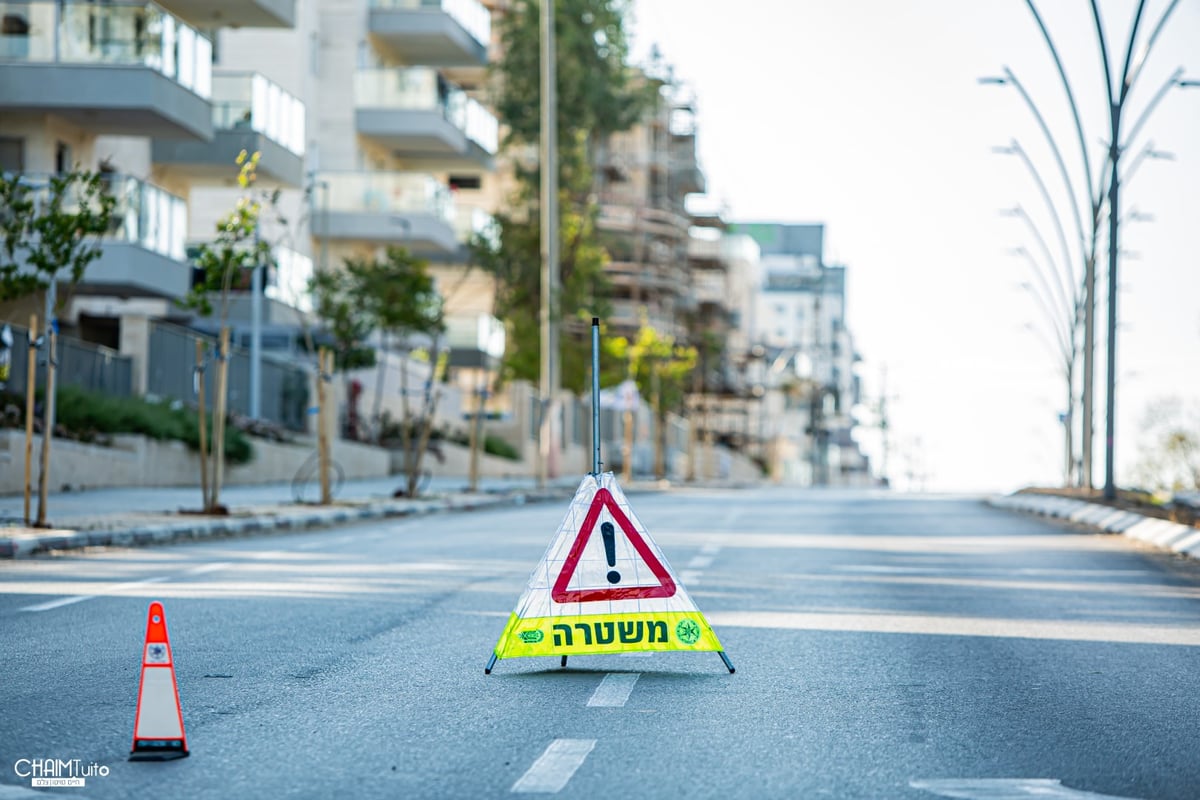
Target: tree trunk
[(324, 374), (476, 437), (406, 431), (202, 422), (428, 410), (219, 417), (47, 432), (30, 392), (376, 416)]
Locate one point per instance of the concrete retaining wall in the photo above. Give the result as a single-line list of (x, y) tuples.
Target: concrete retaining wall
[(138, 461)]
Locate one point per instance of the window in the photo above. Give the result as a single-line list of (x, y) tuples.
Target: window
[(62, 158), (12, 154), (465, 182)]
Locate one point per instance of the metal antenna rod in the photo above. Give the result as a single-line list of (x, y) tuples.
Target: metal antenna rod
[(596, 396)]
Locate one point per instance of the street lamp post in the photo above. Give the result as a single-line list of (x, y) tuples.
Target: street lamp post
[(549, 236), (1116, 98)]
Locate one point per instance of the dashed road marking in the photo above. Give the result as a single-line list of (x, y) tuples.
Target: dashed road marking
[(614, 690), (700, 562), (112, 590), (205, 568), (555, 766)]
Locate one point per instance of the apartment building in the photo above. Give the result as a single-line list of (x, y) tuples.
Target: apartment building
[(131, 90), (809, 356), (643, 178)]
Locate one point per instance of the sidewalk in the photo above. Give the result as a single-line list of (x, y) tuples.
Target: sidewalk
[(131, 517), (1182, 539)]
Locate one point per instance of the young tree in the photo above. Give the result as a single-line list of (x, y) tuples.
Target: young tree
[(223, 265), (661, 370), (47, 231), (51, 229), (597, 94), (401, 300), (1169, 449)]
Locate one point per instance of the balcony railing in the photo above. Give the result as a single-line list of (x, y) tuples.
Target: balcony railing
[(388, 193), (424, 89), (148, 216), (51, 31), (471, 221), (144, 214), (248, 100), (471, 14)]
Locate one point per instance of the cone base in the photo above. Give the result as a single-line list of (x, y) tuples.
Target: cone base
[(155, 750)]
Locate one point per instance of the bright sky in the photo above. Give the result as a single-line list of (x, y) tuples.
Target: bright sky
[(867, 115)]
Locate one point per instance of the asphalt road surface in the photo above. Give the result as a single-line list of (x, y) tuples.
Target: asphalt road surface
[(887, 646)]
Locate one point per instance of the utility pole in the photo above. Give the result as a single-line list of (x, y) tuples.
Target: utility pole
[(549, 239)]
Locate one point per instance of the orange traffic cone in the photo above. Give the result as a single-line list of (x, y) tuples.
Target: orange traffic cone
[(158, 724)]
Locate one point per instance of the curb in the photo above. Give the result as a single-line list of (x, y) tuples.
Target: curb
[(22, 545), (1182, 539)]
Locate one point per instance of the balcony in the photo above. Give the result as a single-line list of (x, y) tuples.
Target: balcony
[(236, 13), (412, 210), (472, 221), (249, 113), (423, 117), (143, 253), (440, 33), (125, 69)]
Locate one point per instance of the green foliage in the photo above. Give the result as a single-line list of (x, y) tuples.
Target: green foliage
[(54, 230), (228, 262), (397, 294), (660, 367), (597, 94), (596, 91), (336, 302), (494, 445), (89, 416)]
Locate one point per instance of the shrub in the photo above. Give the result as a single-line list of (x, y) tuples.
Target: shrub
[(498, 447), (86, 415)]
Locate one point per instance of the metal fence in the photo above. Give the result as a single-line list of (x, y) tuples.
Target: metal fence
[(172, 373), (88, 366)]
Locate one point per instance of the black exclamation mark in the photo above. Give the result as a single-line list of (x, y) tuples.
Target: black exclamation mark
[(610, 550)]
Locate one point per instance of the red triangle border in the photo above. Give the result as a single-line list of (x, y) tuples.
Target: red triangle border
[(561, 594)]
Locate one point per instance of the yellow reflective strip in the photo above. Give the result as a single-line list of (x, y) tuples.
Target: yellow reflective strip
[(606, 633)]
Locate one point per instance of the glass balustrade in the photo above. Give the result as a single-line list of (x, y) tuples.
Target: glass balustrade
[(387, 193), (471, 221), (53, 31), (247, 100), (471, 14), (424, 89), (144, 214), (148, 216)]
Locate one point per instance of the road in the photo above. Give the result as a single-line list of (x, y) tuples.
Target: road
[(887, 646)]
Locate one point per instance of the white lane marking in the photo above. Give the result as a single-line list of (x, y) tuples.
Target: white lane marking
[(1008, 789), (66, 601), (700, 562), (710, 549), (689, 577), (614, 690), (309, 545), (555, 767), (205, 568)]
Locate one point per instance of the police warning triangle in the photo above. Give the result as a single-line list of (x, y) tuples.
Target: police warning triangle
[(603, 586)]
